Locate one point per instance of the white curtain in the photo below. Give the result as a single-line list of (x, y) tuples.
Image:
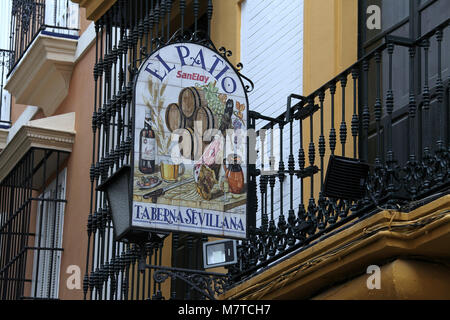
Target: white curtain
[(61, 13), (5, 13), (49, 234)]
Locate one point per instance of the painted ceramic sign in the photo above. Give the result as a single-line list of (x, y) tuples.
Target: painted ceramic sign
[(190, 143)]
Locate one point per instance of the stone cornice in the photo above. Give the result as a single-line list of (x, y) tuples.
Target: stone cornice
[(43, 75), (424, 232), (3, 138), (95, 8), (33, 137)]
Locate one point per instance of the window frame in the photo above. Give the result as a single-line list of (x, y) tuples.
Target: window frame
[(46, 210)]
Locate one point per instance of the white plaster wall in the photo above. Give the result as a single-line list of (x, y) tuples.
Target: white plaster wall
[(272, 55)]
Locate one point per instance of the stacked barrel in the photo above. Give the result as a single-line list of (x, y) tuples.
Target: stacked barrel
[(193, 114)]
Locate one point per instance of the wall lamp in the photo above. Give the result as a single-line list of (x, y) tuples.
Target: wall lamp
[(119, 191), (219, 253)]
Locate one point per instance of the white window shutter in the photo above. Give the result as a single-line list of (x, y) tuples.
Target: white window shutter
[(49, 236), (50, 6), (73, 22)]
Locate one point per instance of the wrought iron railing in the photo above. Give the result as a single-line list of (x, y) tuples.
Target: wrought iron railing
[(29, 18), (25, 234), (127, 32), (117, 270), (399, 177), (5, 102)]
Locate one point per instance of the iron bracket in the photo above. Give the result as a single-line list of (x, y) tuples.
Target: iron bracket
[(208, 284), (256, 115), (305, 112), (402, 41)]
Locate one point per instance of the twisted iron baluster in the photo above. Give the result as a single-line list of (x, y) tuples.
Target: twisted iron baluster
[(393, 180), (169, 13), (332, 203), (441, 156), (152, 21), (182, 13), (93, 177), (281, 236), (412, 168), (332, 137), (291, 169), (378, 182), (141, 28), (196, 10), (263, 181), (365, 108), (157, 18), (378, 108), (272, 229), (365, 120), (210, 14), (262, 231), (162, 16), (322, 203), (343, 127), (301, 224), (355, 117), (312, 208), (427, 158), (343, 205)]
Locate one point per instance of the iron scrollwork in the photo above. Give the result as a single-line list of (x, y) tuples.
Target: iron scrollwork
[(207, 284), (202, 38)]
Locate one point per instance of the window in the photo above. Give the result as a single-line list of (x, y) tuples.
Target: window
[(410, 19), (5, 102), (48, 241), (188, 254), (62, 15)]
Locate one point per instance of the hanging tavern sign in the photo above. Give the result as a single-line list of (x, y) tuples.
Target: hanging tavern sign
[(190, 143)]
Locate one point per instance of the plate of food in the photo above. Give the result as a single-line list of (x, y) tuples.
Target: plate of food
[(148, 182)]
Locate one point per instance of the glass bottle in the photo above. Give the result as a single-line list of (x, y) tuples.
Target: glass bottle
[(147, 150), (235, 175)]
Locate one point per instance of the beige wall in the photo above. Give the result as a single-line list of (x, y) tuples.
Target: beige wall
[(16, 110), (331, 40), (84, 23), (95, 8), (226, 27), (330, 47), (80, 99)]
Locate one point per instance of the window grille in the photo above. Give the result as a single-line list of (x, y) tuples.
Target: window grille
[(31, 226)]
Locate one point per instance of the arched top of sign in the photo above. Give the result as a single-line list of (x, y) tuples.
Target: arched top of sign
[(200, 63), (190, 143), (200, 38)]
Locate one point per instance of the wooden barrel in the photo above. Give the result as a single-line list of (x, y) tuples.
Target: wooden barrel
[(191, 147), (206, 117), (190, 100), (174, 117)]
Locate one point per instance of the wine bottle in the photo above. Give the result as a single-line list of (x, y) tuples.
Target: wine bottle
[(147, 150)]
